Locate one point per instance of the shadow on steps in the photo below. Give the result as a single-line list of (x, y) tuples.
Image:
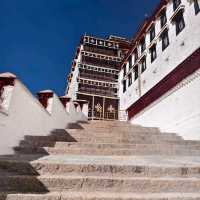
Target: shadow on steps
[(35, 144), (74, 126), (18, 176), (16, 172)]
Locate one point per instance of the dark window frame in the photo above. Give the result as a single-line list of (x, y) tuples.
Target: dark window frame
[(176, 4), (130, 81), (143, 63), (135, 55), (130, 62), (143, 44), (124, 70), (179, 19), (163, 18), (164, 36), (153, 53), (136, 72), (196, 7), (124, 86), (152, 32)]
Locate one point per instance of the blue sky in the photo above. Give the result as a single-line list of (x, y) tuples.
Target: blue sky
[(38, 37)]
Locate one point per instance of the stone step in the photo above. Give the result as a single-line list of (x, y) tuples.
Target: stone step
[(122, 151), (10, 167), (106, 145), (124, 139), (84, 136), (111, 133), (48, 141), (41, 142), (104, 126), (108, 123), (98, 183), (100, 196), (120, 140), (50, 138), (125, 145), (116, 123), (117, 130), (138, 149)]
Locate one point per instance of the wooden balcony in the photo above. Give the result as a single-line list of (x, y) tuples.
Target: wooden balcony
[(101, 76), (100, 50), (109, 92), (100, 62), (101, 56), (98, 69), (97, 77)]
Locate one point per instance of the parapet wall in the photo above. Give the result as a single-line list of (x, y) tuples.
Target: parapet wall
[(22, 114)]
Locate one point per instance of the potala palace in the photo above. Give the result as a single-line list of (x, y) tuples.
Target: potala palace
[(149, 79), (127, 127)]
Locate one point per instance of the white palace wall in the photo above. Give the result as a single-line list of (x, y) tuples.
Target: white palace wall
[(180, 47), (178, 112), (24, 115)]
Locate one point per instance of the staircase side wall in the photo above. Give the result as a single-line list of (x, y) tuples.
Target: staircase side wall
[(25, 115)]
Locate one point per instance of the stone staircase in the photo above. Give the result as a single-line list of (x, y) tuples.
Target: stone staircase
[(102, 160)]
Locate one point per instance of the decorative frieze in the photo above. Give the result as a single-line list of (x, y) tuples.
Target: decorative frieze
[(97, 83), (98, 69), (101, 56), (100, 42)]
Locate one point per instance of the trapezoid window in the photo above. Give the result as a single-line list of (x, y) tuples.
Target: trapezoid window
[(143, 64), (136, 72), (153, 52), (196, 7), (124, 86), (163, 18), (179, 22), (152, 32), (176, 4), (130, 79), (143, 45), (165, 39)]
